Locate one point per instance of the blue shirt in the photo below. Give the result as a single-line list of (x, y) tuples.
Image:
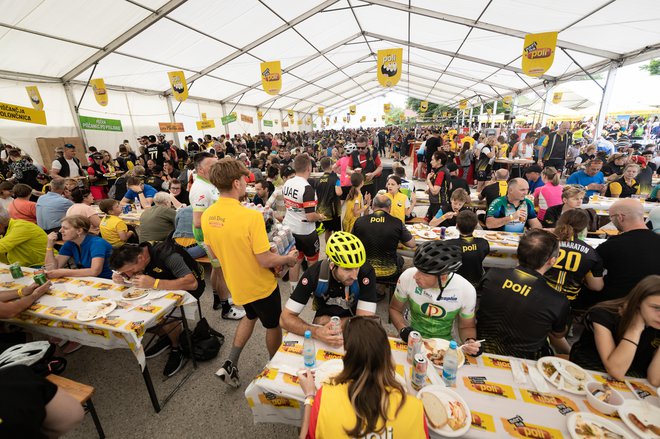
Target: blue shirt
[(91, 247), (149, 192), (533, 185), (51, 208), (585, 180)]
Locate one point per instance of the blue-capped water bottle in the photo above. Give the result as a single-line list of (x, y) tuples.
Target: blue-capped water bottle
[(450, 365), (309, 350)]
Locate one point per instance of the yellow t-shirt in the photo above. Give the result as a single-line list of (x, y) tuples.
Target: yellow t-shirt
[(349, 218), (398, 209), (110, 227), (236, 234)]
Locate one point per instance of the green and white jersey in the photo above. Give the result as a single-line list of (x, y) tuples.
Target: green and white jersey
[(430, 316)]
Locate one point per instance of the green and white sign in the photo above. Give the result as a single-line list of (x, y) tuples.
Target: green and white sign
[(228, 119), (268, 123), (100, 124)]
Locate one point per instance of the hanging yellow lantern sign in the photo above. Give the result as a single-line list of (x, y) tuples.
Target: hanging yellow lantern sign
[(335, 119), (489, 110), (462, 104), (424, 106), (178, 83), (389, 66), (556, 97), (352, 109), (35, 97), (506, 102), (538, 53), (387, 108), (271, 77), (344, 118), (260, 114), (100, 92), (320, 111)]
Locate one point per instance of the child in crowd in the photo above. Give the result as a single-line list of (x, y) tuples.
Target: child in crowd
[(113, 229), (474, 250), (356, 205)]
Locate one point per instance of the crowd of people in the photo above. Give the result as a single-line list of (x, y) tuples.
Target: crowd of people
[(199, 199)]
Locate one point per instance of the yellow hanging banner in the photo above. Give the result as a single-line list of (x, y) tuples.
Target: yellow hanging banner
[(387, 108), (271, 77), (424, 106), (22, 114), (320, 111), (363, 118), (506, 102), (489, 110), (179, 85), (260, 114), (100, 92), (204, 116), (309, 120), (556, 97), (327, 120), (300, 121), (352, 109), (335, 119), (402, 116), (538, 53), (389, 66), (35, 97), (205, 124), (462, 104), (290, 113), (344, 118)]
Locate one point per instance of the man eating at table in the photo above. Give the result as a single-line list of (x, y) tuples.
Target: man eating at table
[(512, 212)]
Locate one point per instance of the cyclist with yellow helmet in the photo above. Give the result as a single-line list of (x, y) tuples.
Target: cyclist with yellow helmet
[(344, 285)]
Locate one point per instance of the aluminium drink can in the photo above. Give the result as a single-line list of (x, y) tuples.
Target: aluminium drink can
[(414, 345), (418, 378), (15, 270), (336, 323), (443, 232), (40, 278)]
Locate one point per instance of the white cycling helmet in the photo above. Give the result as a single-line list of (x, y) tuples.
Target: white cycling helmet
[(350, 148), (26, 353)]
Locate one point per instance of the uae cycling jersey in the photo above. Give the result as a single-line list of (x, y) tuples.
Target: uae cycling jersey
[(575, 260), (300, 199), (433, 311)]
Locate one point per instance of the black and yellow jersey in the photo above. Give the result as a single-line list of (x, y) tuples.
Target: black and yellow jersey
[(575, 261), (517, 311), (474, 252)]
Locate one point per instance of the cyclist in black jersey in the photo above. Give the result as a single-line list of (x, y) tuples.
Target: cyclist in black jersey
[(474, 250)]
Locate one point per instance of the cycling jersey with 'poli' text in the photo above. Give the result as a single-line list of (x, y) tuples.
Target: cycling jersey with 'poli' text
[(300, 199)]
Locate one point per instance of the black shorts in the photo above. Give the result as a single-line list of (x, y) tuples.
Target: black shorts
[(344, 192), (268, 309), (333, 224), (308, 246), (483, 175)]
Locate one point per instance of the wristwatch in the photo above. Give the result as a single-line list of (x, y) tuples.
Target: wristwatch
[(309, 400)]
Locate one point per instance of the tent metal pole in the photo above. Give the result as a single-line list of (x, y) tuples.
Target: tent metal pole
[(481, 111), (470, 121), (170, 112), (258, 121), (87, 85), (492, 121), (463, 118), (74, 114), (605, 100), (546, 102), (224, 114)]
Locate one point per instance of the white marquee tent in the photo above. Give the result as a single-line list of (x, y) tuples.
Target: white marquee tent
[(453, 50)]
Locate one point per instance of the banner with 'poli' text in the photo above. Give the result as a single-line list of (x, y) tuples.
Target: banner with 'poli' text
[(462, 104), (35, 97), (271, 77), (424, 106), (389, 66), (557, 96), (387, 108), (352, 109), (179, 85), (100, 92), (538, 53)]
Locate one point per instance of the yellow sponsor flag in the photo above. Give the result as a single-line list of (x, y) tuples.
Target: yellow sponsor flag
[(179, 85), (424, 106), (22, 114), (489, 110), (538, 53), (352, 109), (205, 124), (271, 77), (290, 113), (344, 118), (204, 116), (462, 104), (389, 66), (335, 119), (300, 121), (260, 114), (402, 116), (309, 120), (387, 108), (35, 97), (327, 120), (320, 111), (506, 102), (100, 92), (556, 97)]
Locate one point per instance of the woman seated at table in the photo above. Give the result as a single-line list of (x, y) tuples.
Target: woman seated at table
[(571, 198), (90, 254), (365, 397), (446, 215), (83, 200), (620, 335), (550, 193), (22, 207), (401, 206), (625, 186)]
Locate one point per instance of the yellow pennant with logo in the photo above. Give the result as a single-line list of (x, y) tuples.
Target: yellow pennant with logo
[(320, 111), (387, 108), (309, 120), (352, 109), (260, 114), (335, 119), (389, 66), (35, 97), (506, 102), (556, 97), (382, 116), (179, 85), (424, 106), (538, 53), (402, 116), (344, 118), (462, 104), (489, 110), (100, 92), (327, 120), (300, 121), (271, 77)]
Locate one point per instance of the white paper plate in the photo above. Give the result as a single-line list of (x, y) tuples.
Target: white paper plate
[(127, 295), (446, 395), (567, 387), (427, 234), (326, 370), (571, 422), (441, 343), (645, 412), (96, 311)]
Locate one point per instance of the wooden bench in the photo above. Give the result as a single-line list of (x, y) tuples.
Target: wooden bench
[(81, 393)]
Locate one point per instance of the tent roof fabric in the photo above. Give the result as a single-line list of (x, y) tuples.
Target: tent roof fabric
[(452, 50)]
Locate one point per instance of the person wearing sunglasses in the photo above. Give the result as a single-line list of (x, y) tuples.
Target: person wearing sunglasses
[(343, 285), (365, 399), (368, 163), (436, 296)]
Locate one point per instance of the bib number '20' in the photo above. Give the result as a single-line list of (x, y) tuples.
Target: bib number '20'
[(569, 261)]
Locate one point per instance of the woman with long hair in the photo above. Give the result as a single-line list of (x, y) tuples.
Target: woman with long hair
[(550, 193), (356, 205), (620, 334), (401, 206), (627, 185), (365, 397), (571, 198)]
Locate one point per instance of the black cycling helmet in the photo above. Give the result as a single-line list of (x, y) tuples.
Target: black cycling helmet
[(438, 257)]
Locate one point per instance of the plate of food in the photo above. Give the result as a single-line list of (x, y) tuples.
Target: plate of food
[(583, 425), (327, 371), (642, 418), (96, 311), (446, 412), (435, 349), (427, 234), (493, 236), (564, 374), (134, 294)]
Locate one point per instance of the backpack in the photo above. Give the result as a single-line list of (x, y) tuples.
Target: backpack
[(207, 342)]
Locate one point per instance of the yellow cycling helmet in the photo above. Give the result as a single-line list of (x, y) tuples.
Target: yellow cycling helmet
[(345, 250)]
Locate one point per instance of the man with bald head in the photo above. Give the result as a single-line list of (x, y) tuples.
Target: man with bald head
[(512, 212), (497, 188), (633, 254), (554, 147)]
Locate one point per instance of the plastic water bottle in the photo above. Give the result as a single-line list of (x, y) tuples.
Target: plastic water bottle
[(138, 205), (309, 350), (450, 365)]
